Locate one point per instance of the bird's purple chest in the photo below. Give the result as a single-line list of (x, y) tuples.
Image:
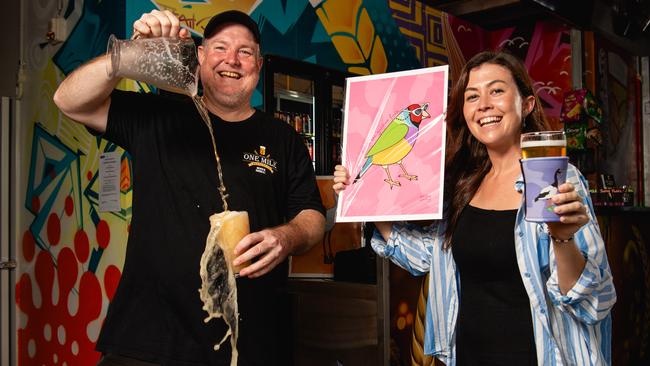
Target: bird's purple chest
[(411, 134)]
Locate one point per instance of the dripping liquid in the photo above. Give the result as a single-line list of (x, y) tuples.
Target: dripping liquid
[(203, 111), (231, 302)]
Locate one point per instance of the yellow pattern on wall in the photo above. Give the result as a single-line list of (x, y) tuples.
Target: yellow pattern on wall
[(196, 17), (353, 35)]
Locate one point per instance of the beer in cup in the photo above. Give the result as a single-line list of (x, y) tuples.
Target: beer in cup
[(544, 166), (543, 143), (234, 226)]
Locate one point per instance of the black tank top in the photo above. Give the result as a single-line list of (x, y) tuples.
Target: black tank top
[(494, 321)]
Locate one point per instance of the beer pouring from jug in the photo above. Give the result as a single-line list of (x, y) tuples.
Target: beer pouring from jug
[(167, 63)]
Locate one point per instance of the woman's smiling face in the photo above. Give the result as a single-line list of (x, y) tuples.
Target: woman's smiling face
[(492, 106)]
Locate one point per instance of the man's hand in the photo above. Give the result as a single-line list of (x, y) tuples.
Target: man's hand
[(270, 247), (159, 24)]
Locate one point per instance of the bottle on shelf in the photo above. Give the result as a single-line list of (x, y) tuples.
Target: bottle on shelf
[(290, 120), (301, 122), (308, 145), (284, 116), (297, 124), (310, 128)]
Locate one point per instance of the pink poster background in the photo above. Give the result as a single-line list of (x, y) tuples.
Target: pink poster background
[(372, 102)]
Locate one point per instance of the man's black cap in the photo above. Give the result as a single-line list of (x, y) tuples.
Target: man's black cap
[(232, 16)]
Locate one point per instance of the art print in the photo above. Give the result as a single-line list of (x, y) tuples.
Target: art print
[(394, 146)]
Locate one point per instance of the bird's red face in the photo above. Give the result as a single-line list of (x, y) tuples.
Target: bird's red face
[(418, 112)]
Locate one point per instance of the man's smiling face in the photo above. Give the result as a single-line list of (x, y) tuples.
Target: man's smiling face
[(230, 66)]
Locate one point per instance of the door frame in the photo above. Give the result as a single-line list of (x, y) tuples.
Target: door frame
[(7, 234)]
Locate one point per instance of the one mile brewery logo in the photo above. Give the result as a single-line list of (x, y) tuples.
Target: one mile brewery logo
[(261, 161)]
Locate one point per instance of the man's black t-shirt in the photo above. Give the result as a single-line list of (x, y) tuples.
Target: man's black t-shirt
[(156, 313)]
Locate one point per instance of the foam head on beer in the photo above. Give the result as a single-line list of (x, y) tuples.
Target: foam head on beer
[(234, 226), (543, 144)]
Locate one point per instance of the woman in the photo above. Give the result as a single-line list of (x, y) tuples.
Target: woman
[(504, 291)]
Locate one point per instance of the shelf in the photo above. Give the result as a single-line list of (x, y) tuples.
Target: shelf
[(294, 95), (614, 210), (328, 287)]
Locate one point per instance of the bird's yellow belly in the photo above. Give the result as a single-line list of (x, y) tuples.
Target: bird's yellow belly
[(393, 154)]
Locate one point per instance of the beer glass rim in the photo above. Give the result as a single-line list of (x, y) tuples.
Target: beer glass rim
[(541, 158), (543, 134)]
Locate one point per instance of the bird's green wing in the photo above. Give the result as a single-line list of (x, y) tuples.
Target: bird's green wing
[(393, 133)]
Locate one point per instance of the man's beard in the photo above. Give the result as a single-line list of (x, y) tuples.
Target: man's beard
[(230, 101)]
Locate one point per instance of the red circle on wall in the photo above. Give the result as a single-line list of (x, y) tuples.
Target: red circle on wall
[(53, 229), (103, 234), (81, 245), (29, 246), (69, 206), (111, 280)]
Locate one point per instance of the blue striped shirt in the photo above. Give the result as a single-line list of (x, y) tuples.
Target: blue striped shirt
[(571, 329)]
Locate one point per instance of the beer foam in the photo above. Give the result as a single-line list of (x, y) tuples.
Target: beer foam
[(218, 285), (543, 143)]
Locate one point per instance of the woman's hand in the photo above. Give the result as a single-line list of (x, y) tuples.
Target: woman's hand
[(159, 24), (341, 178), (572, 212), (341, 181)]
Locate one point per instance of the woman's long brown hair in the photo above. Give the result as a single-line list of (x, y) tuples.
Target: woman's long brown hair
[(467, 160)]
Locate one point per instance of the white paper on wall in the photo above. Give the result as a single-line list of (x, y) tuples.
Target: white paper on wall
[(109, 181)]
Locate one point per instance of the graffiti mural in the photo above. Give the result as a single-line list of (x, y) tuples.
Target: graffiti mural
[(545, 49), (425, 28), (441, 38), (65, 285)]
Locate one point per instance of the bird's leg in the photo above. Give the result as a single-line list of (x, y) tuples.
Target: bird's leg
[(390, 180), (406, 174)]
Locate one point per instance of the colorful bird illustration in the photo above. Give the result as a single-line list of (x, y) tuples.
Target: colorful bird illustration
[(396, 142)]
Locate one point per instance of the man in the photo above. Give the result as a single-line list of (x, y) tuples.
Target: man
[(156, 316)]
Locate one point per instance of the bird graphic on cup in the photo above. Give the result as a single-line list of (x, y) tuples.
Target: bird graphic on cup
[(542, 177), (550, 190)]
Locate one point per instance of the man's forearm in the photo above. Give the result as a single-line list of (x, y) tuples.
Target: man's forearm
[(305, 230), (84, 95)]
